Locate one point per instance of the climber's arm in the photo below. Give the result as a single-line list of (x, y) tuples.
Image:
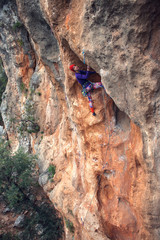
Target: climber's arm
[(83, 75), (90, 72)]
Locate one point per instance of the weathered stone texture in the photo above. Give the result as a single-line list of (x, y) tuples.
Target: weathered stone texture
[(107, 167)]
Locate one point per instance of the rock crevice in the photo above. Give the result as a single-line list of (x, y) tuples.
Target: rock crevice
[(107, 167)]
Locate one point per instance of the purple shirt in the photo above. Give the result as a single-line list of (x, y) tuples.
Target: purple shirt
[(82, 77)]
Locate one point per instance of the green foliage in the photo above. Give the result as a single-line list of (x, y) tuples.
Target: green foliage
[(69, 225), (17, 25), (13, 120), (8, 236), (17, 178), (14, 196), (51, 170), (46, 216), (28, 122), (41, 139), (32, 90), (22, 86), (70, 212), (20, 42), (16, 175)]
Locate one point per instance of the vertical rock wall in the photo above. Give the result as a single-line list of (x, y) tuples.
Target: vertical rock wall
[(107, 167)]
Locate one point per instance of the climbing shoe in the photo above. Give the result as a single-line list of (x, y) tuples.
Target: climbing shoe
[(94, 114)]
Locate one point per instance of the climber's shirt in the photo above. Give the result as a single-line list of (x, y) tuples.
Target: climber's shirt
[(82, 77)]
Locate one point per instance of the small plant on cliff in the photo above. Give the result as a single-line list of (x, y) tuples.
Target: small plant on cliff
[(23, 87), (70, 212), (20, 42), (28, 122), (51, 170), (69, 225), (32, 90), (17, 25)]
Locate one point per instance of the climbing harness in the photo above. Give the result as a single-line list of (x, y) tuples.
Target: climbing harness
[(84, 91)]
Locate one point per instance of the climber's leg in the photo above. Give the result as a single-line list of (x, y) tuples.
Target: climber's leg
[(97, 85), (89, 88), (94, 86), (91, 103)]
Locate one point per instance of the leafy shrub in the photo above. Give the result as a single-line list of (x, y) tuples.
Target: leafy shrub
[(8, 236), (17, 182), (22, 87), (17, 25), (46, 216), (16, 176), (20, 42), (70, 212), (51, 170), (28, 122), (69, 225)]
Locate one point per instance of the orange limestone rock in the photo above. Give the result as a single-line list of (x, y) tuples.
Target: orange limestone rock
[(106, 182)]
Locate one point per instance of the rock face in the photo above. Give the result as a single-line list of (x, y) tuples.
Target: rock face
[(107, 167), (19, 221)]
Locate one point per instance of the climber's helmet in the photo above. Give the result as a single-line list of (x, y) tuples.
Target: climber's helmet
[(74, 68)]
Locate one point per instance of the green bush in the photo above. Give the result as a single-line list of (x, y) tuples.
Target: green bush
[(16, 176), (8, 236), (69, 225), (51, 170), (70, 212), (28, 122), (17, 25), (17, 184), (20, 42), (22, 87), (46, 216)]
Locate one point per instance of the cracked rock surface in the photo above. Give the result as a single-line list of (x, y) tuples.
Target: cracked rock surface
[(107, 167)]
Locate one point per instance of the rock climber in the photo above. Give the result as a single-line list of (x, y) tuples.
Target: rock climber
[(87, 86)]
